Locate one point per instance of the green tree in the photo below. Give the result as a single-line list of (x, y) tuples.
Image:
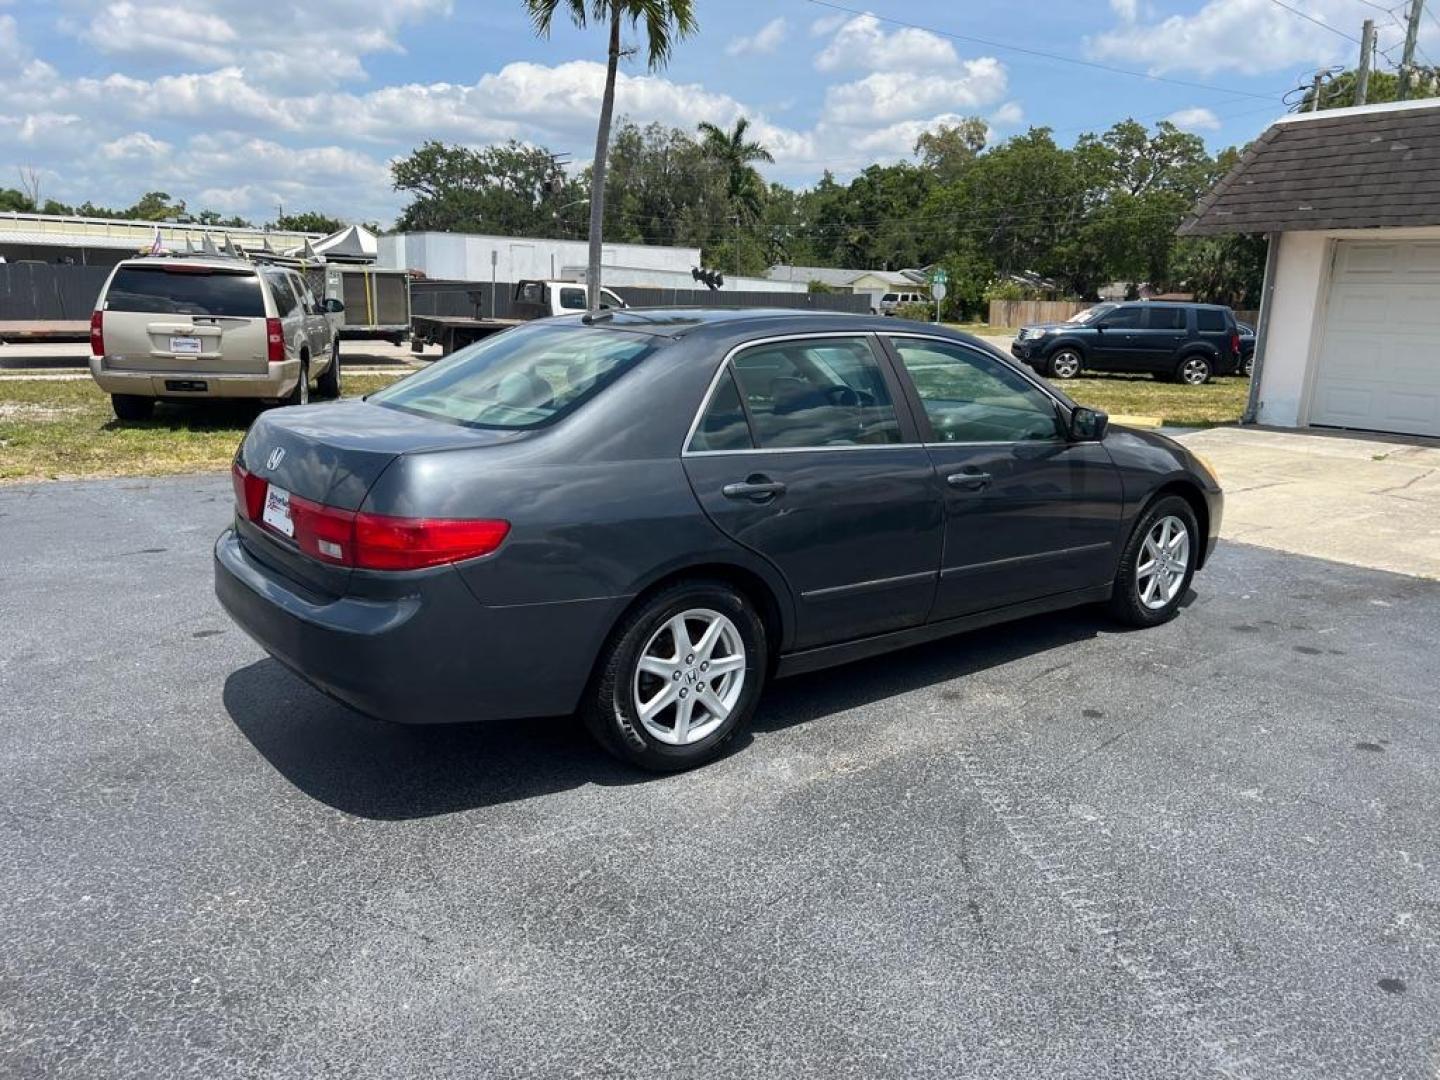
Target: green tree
[(311, 221), (155, 206), (1223, 269), (948, 149), (504, 190), (665, 21), (1339, 93), (12, 200), (735, 154)]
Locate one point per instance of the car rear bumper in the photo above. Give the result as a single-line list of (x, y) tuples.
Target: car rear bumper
[(277, 382), (434, 655)]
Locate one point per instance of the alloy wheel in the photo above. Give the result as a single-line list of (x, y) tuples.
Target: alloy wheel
[(1065, 364), (1164, 560), (689, 677), (1195, 371)]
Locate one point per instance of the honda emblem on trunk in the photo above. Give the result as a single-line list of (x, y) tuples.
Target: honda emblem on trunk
[(276, 456)]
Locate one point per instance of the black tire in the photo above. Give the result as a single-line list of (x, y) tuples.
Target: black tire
[(1194, 370), (609, 708), (132, 406), (1247, 366), (1065, 363), (328, 385), (301, 394), (1126, 605)]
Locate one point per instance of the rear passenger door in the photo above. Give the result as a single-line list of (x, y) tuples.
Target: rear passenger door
[(1165, 329), (1117, 346), (805, 453)]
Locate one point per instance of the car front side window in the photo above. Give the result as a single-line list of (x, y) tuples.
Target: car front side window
[(817, 393), (969, 397)]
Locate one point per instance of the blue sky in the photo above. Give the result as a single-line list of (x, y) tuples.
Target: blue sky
[(237, 105)]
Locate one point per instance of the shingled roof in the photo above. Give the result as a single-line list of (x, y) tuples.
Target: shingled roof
[(1370, 167)]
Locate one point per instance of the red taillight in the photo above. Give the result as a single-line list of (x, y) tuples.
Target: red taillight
[(371, 541), (249, 492), (392, 543), (274, 341), (1235, 342), (97, 332)]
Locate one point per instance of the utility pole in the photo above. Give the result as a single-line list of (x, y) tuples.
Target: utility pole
[(1367, 50), (1407, 58), (1315, 87), (737, 245)]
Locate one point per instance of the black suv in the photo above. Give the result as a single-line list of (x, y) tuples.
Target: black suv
[(1184, 342)]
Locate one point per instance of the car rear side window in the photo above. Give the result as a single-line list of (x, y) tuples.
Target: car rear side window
[(185, 290), (1209, 321), (723, 427), (526, 377), (1167, 318), (815, 393), (969, 397), (285, 299)]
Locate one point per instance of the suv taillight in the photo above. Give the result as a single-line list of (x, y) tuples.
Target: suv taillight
[(97, 332), (274, 341), (1235, 342)]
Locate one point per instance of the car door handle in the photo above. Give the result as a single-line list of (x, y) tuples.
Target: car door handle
[(755, 488), (970, 481)]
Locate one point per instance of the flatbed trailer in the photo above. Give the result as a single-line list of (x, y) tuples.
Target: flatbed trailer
[(453, 332), (45, 331)]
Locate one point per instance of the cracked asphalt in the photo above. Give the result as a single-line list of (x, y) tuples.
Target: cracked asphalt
[(1049, 849)]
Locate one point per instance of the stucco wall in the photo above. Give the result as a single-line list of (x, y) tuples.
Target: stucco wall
[(1300, 272)]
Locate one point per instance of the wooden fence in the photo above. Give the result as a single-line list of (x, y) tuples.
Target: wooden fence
[(1028, 312)]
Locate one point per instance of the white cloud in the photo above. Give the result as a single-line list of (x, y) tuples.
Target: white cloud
[(888, 96), (828, 24), (1129, 10), (765, 40), (1008, 115), (1197, 118), (1239, 35), (861, 44)]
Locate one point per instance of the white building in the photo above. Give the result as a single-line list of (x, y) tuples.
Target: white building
[(105, 241), (1350, 313)]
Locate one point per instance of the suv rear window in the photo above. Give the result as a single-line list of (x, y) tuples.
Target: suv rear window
[(1209, 321), (192, 291), (523, 378)]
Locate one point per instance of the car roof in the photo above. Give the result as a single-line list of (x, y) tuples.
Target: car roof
[(743, 322), (214, 262)]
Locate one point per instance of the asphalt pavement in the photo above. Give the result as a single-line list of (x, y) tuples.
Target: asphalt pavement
[(1052, 849)]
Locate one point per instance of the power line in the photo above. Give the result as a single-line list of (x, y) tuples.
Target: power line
[(1317, 22), (1006, 46)]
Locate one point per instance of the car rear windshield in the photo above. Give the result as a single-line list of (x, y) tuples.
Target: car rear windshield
[(192, 291), (523, 378)]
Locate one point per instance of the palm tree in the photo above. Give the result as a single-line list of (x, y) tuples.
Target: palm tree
[(666, 21), (735, 154)]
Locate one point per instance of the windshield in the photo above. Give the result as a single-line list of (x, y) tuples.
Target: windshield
[(185, 290), (1091, 314), (521, 378)]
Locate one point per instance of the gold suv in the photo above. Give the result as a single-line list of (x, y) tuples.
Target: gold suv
[(178, 327)]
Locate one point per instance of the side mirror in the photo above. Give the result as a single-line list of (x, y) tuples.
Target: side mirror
[(1088, 425), (331, 306)]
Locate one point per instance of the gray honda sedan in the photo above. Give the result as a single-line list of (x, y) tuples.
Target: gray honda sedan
[(642, 516)]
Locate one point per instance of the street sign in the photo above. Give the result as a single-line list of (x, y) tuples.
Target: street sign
[(939, 277), (938, 290)]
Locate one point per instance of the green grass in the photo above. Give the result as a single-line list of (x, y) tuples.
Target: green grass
[(1220, 401), (53, 429)]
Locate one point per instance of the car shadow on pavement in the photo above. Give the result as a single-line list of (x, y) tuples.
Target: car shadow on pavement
[(374, 769)]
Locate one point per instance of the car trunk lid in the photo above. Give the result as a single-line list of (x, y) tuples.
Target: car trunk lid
[(331, 455)]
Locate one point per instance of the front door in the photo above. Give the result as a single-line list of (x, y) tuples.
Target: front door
[(1117, 345), (803, 456), (1028, 513)]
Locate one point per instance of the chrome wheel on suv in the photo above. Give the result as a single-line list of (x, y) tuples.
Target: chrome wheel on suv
[(1194, 371), (1065, 364)]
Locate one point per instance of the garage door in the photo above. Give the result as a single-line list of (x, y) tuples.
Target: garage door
[(1379, 364)]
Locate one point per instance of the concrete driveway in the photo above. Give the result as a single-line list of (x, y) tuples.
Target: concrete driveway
[(1365, 501), (1046, 850)]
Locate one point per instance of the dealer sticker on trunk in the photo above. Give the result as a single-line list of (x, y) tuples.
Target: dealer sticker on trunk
[(277, 511)]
